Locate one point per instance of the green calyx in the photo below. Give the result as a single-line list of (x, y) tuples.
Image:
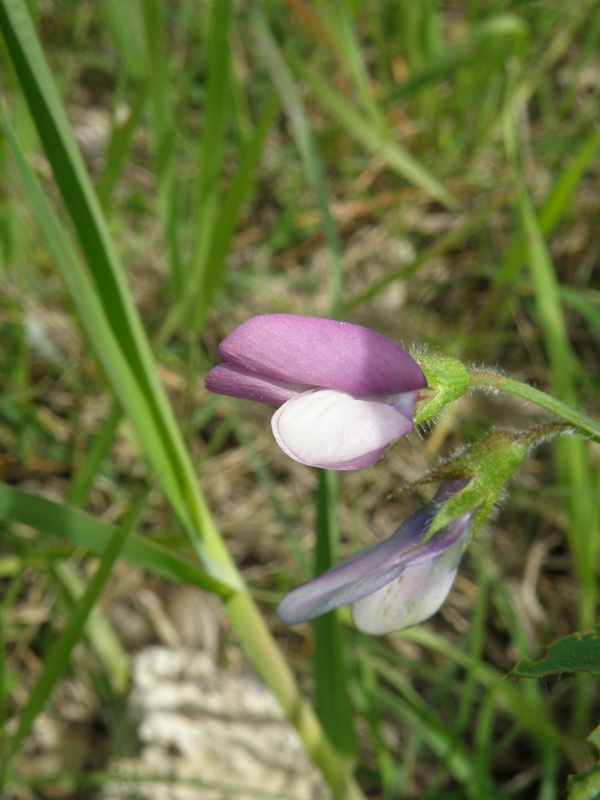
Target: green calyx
[(487, 466), (447, 380)]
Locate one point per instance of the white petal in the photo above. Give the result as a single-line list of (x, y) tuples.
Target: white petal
[(414, 596), (335, 430)]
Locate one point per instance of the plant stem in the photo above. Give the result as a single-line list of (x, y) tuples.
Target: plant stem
[(580, 421), (260, 646), (264, 652)]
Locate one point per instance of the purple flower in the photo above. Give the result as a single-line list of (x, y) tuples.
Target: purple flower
[(393, 584), (344, 392)]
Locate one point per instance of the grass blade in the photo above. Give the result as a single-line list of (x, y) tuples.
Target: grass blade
[(84, 530), (120, 331), (118, 148), (572, 464), (211, 151), (98, 631), (108, 349), (311, 162), (222, 233), (394, 155), (96, 453), (163, 135), (56, 660)]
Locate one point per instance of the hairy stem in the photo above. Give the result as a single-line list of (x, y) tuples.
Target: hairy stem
[(583, 424)]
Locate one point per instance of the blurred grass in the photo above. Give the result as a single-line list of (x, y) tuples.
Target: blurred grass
[(464, 142)]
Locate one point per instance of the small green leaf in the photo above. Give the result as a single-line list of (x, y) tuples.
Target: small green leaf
[(585, 786), (579, 652), (594, 737)]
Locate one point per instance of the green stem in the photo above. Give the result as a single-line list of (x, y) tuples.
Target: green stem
[(580, 421), (267, 657), (260, 646)]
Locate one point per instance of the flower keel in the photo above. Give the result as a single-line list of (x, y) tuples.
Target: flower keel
[(335, 430)]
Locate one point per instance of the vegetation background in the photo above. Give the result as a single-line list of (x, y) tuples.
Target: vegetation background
[(429, 169)]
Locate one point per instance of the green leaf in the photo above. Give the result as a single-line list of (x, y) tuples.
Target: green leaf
[(115, 332), (163, 132), (119, 146), (578, 652), (99, 632), (84, 530), (586, 785), (373, 138), (56, 659), (212, 151), (311, 160), (110, 349), (101, 295)]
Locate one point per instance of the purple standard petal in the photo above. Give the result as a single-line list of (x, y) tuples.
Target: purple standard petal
[(373, 579), (322, 352), (237, 382), (334, 430)]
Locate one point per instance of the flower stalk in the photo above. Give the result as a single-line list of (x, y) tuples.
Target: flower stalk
[(582, 423)]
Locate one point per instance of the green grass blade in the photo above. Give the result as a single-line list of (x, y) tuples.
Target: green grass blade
[(451, 751), (108, 349), (95, 454), (571, 457), (526, 707), (446, 62), (113, 325), (343, 32), (114, 302), (4, 688), (56, 660), (369, 706), (123, 332), (84, 530), (547, 295), (211, 154), (125, 22), (586, 302), (118, 148), (462, 229), (229, 213), (311, 162), (554, 208), (394, 155), (575, 472), (269, 486), (163, 130), (98, 631), (69, 170)]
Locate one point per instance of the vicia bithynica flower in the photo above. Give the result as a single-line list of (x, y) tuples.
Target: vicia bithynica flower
[(393, 584), (343, 392)]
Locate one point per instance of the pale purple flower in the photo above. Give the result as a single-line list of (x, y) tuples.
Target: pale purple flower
[(344, 392), (393, 584)]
